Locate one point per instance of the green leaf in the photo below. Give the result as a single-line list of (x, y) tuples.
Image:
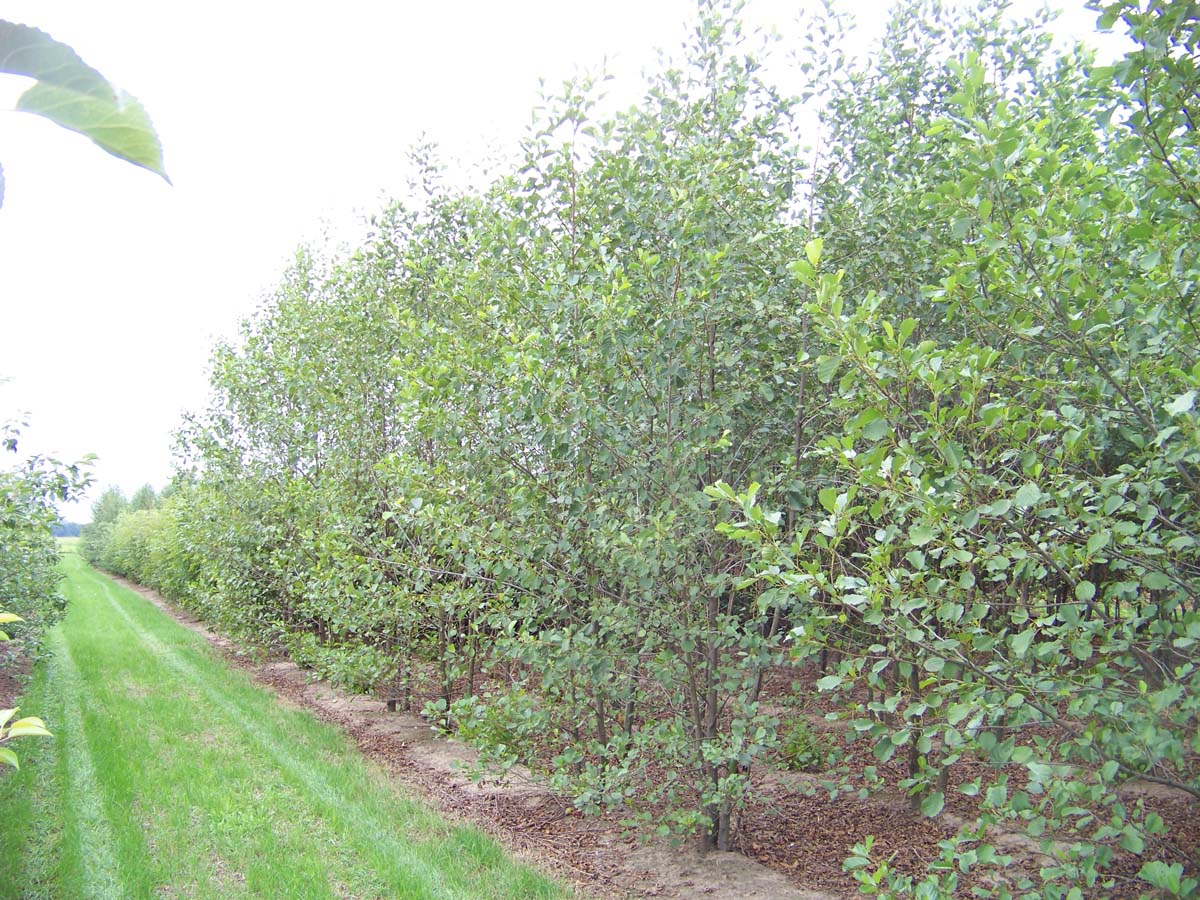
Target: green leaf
[(885, 749), (933, 804), (30, 727), (1021, 642), (954, 453), (1181, 404), (1132, 841), (870, 423), (997, 794), (118, 125), (1085, 591), (999, 508), (1098, 542), (7, 617), (827, 367), (9, 758), (1081, 649), (1027, 495), (1156, 581), (829, 682), (957, 712), (813, 251), (1002, 752), (992, 413), (876, 430), (920, 535), (802, 270)]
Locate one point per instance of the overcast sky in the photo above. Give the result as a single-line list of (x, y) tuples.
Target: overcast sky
[(280, 122)]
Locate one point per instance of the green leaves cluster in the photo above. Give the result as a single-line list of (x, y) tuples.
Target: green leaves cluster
[(579, 458)]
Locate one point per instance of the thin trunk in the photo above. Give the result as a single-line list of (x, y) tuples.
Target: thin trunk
[(601, 718)]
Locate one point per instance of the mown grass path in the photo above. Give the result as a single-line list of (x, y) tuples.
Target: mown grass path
[(172, 776)]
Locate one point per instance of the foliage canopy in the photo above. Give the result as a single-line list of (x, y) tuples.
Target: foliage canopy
[(673, 404)]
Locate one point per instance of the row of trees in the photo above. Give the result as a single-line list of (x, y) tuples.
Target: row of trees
[(101, 544), (29, 493), (30, 602), (683, 398)]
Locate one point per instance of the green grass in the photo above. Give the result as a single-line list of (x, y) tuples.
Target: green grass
[(172, 776)]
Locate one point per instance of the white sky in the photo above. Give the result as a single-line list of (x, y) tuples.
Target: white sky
[(277, 120)]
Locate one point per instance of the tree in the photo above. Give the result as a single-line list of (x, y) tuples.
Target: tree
[(108, 507), (1007, 553), (96, 536), (143, 498)]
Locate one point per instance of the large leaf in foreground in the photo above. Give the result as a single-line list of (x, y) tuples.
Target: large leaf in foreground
[(31, 52), (118, 124), (72, 94)]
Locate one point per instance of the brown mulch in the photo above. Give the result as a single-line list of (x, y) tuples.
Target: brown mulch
[(808, 837), (14, 672)]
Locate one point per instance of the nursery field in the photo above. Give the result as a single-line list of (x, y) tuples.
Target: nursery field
[(817, 501), (171, 775)]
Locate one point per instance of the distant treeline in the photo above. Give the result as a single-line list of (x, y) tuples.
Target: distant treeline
[(65, 529)]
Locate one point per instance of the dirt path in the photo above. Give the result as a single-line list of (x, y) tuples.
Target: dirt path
[(588, 852)]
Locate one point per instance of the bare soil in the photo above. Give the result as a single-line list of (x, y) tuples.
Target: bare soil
[(794, 837), (14, 672), (14, 668)]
